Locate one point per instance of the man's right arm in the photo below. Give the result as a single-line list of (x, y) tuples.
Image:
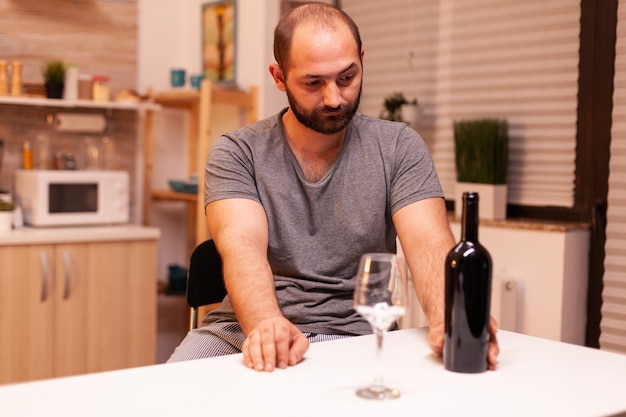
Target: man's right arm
[(240, 231)]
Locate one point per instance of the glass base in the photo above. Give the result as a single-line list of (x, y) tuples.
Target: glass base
[(378, 393)]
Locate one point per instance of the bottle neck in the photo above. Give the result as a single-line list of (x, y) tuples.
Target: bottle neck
[(469, 226)]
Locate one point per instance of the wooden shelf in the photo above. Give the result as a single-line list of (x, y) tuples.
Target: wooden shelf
[(169, 195), (199, 104), (87, 104), (185, 98)]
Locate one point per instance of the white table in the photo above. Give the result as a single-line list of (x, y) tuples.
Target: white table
[(535, 377)]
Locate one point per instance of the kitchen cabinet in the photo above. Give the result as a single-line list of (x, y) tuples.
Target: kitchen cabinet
[(73, 308), (200, 105)]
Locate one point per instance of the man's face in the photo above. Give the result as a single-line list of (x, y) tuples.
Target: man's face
[(324, 119), (324, 79)]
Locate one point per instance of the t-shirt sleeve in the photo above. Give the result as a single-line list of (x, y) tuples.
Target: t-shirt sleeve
[(415, 177), (229, 171)]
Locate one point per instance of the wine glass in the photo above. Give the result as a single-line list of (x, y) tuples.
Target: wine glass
[(380, 295)]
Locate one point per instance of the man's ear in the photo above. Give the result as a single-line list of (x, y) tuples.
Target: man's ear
[(278, 75)]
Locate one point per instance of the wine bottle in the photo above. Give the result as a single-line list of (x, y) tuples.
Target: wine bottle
[(467, 296)]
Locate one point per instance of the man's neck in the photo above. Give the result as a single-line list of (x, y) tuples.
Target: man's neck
[(307, 140), (315, 151)]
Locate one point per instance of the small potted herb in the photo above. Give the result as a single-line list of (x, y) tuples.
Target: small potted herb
[(398, 108), (54, 78), (392, 105)]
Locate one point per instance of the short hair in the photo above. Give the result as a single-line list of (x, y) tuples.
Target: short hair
[(317, 14)]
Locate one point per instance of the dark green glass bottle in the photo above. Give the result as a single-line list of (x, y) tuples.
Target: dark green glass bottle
[(468, 296)]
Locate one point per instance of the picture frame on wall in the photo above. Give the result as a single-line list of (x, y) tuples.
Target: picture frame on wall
[(219, 41)]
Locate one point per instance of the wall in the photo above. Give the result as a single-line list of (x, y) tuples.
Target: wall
[(467, 59)]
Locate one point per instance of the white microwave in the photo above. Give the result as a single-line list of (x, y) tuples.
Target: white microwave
[(72, 198)]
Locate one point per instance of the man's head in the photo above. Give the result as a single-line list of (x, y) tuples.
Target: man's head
[(319, 65), (320, 15)]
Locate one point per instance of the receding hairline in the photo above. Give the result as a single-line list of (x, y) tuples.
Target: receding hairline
[(317, 16)]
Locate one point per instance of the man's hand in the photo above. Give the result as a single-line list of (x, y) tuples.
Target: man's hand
[(273, 343), (436, 338)]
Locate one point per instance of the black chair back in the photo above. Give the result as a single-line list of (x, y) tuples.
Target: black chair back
[(205, 284)]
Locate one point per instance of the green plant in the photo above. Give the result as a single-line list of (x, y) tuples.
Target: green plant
[(6, 206), (481, 150), (392, 106), (54, 72)]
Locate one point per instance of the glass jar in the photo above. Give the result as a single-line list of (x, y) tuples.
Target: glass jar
[(101, 88), (85, 86)]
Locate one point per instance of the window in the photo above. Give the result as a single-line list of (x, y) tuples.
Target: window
[(483, 58)]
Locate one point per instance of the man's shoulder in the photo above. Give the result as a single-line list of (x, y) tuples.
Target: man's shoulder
[(370, 128), (363, 121)]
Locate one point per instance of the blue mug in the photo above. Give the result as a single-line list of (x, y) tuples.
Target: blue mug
[(196, 80), (177, 77)]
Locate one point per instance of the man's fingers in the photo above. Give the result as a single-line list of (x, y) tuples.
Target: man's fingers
[(435, 338), (254, 344), (282, 340), (299, 346), (268, 349)]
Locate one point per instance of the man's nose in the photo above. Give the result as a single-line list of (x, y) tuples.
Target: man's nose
[(332, 95)]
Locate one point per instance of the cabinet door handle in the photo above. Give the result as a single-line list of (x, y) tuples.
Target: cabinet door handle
[(45, 271), (67, 260)]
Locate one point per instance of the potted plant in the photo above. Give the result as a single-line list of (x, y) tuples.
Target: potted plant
[(54, 78), (482, 156), (6, 216), (397, 108), (392, 105)]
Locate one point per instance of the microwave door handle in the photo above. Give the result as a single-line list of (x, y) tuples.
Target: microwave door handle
[(45, 271), (67, 260)]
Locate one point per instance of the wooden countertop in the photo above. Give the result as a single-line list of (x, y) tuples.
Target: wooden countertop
[(530, 224), (51, 235)]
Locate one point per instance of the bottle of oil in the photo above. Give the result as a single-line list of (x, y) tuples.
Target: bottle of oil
[(16, 78), (27, 155), (4, 78)]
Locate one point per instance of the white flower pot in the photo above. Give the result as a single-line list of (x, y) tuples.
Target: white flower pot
[(6, 222), (410, 113), (492, 199)]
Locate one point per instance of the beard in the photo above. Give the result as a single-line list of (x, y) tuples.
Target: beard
[(323, 123)]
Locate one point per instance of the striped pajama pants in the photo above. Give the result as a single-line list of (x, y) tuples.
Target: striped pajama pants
[(218, 339)]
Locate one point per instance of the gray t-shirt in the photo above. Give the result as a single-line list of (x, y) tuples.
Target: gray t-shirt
[(318, 231)]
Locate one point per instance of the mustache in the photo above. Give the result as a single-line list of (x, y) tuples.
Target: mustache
[(340, 107)]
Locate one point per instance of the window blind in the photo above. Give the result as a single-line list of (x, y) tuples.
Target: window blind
[(467, 59), (613, 324)]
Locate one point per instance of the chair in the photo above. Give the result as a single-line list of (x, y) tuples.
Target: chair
[(205, 284)]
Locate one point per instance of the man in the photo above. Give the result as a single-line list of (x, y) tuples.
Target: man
[(294, 200)]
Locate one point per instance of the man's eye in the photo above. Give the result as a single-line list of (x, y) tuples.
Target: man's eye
[(314, 83), (346, 79)]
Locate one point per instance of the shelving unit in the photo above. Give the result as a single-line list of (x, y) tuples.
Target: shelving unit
[(199, 105), (144, 110)]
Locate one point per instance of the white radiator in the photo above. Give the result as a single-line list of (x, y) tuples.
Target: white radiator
[(506, 304)]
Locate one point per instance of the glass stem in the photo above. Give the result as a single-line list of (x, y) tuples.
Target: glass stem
[(378, 383)]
